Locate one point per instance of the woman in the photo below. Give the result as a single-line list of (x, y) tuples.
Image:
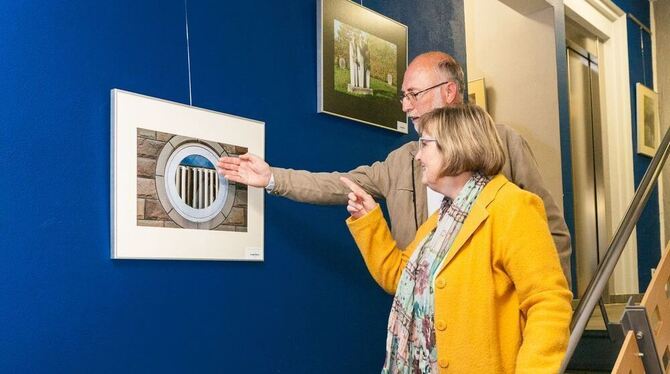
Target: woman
[(480, 289)]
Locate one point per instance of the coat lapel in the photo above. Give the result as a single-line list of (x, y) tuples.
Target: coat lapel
[(476, 217)]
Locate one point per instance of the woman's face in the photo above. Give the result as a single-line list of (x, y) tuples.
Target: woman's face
[(431, 159)]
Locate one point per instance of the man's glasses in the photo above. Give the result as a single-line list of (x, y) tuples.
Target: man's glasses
[(414, 96)]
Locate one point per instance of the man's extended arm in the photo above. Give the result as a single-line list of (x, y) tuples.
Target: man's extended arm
[(326, 188), (378, 179), (299, 185)]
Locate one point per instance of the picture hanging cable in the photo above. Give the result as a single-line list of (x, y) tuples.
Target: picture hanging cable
[(188, 55), (643, 27), (644, 71)]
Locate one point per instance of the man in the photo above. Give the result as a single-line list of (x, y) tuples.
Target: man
[(432, 80)]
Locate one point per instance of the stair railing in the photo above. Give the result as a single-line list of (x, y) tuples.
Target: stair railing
[(599, 281)]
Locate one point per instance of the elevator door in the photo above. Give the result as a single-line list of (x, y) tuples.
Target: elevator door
[(587, 163)]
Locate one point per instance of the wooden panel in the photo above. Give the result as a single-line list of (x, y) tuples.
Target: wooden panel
[(629, 361), (657, 303)]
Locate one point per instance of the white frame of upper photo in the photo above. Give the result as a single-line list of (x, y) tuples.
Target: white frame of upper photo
[(648, 120)]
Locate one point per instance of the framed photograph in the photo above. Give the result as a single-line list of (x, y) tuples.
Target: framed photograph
[(362, 57), (648, 121), (167, 199), (477, 92)]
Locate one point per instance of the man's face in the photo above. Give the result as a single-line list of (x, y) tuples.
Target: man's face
[(417, 78)]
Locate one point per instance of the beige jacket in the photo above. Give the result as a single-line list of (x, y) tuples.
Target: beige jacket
[(398, 180)]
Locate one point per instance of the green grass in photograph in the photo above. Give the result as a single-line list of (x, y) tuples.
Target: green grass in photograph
[(381, 90)]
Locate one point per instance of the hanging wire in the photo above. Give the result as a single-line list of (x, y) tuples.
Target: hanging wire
[(644, 70), (188, 55), (643, 27)]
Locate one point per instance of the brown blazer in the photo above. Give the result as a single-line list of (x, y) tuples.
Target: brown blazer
[(398, 180)]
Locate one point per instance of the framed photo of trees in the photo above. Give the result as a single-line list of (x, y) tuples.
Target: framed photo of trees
[(362, 57)]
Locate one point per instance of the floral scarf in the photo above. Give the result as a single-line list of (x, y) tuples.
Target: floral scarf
[(410, 342)]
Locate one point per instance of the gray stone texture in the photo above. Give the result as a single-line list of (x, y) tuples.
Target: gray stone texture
[(144, 133), (236, 217), (140, 208), (146, 167), (217, 147), (150, 223), (178, 140), (240, 197), (163, 136), (148, 147), (225, 228), (229, 149), (161, 163), (154, 210), (146, 188), (181, 221)]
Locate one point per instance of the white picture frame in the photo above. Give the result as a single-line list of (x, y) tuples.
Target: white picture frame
[(648, 121), (175, 127)]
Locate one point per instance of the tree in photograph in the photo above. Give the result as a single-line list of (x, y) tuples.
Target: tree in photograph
[(383, 57), (343, 34)]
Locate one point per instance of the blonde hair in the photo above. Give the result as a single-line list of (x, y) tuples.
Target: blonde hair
[(467, 138)]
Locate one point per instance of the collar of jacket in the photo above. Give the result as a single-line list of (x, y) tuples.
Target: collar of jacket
[(476, 217), (414, 149)]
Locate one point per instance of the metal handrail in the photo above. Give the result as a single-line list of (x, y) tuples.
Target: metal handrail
[(616, 247)]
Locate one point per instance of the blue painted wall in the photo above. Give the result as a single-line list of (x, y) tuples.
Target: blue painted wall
[(65, 307), (640, 65)]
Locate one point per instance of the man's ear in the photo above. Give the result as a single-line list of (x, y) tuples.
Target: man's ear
[(450, 92)]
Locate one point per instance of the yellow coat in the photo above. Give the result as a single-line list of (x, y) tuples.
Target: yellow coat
[(501, 300)]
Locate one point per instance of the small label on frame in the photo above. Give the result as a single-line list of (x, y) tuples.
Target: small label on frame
[(254, 253), (402, 127)]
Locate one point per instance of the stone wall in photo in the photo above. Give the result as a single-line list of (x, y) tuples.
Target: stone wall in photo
[(150, 211)]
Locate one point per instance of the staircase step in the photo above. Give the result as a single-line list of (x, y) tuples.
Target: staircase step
[(595, 352)]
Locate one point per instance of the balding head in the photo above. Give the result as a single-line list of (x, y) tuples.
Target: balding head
[(445, 66), (438, 80)]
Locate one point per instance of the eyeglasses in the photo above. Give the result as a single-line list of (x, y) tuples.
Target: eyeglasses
[(423, 142), (414, 96)]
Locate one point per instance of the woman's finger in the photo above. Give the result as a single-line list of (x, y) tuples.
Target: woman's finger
[(356, 189)]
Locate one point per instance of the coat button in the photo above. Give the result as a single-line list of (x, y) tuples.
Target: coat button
[(443, 362), (440, 325), (441, 283)]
